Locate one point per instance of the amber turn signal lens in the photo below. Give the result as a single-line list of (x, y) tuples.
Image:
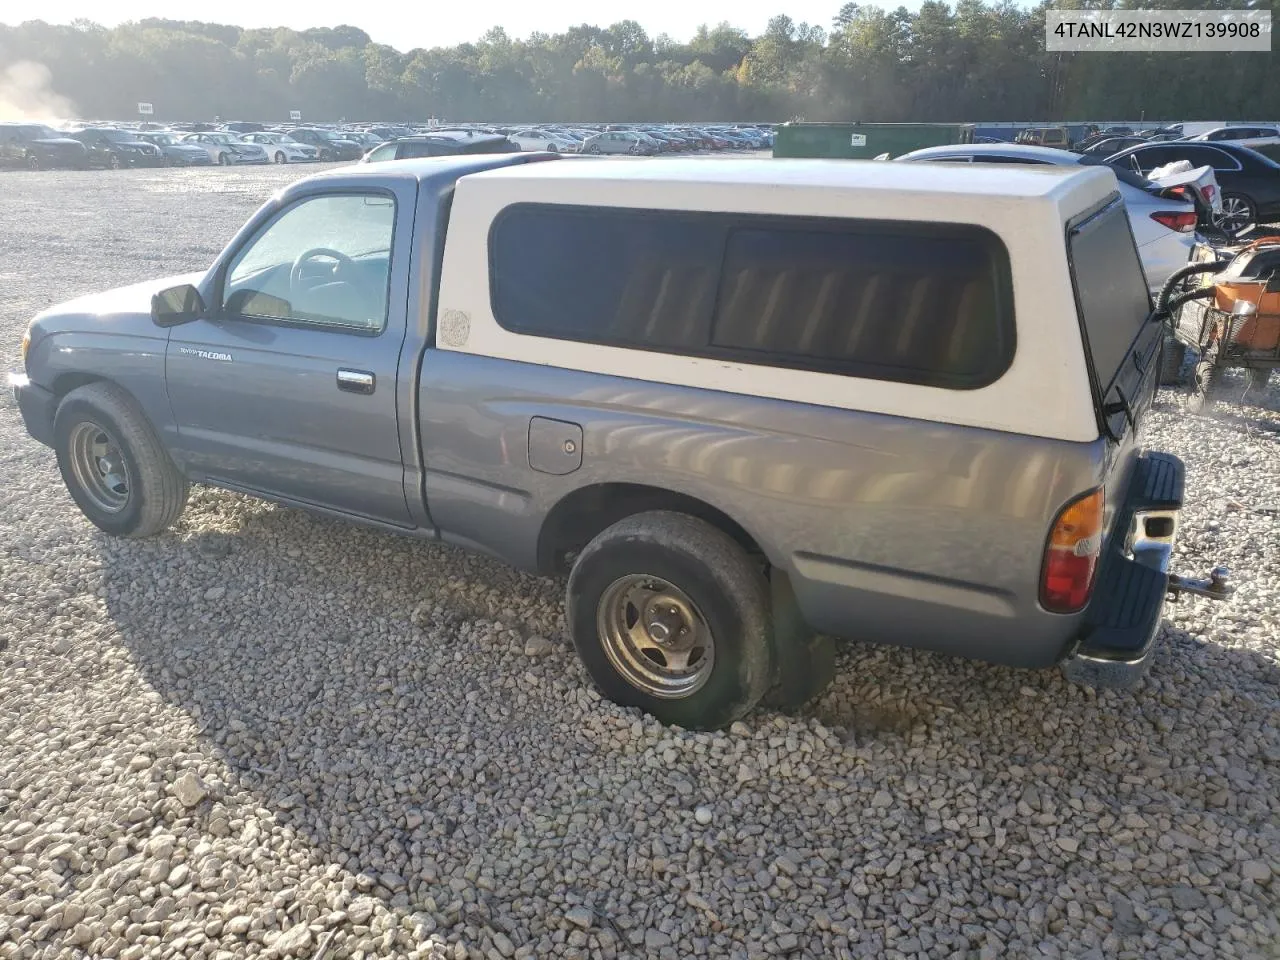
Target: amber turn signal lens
[(1071, 557)]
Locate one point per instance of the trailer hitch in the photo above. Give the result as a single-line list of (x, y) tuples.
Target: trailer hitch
[(1215, 586)]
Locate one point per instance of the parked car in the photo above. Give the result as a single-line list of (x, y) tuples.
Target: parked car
[(1108, 145), (618, 141), (226, 148), (330, 146), (114, 149), (244, 126), (37, 147), (1163, 229), (282, 148), (176, 153), (1045, 137), (530, 139), (1250, 182), (909, 414), (1237, 132), (443, 144)]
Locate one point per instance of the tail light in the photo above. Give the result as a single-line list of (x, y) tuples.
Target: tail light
[(1178, 222), (1071, 556)]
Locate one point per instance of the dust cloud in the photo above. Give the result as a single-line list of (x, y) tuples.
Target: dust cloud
[(26, 93)]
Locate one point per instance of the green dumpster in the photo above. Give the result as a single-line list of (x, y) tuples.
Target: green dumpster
[(863, 141)]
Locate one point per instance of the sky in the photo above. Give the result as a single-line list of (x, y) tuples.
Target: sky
[(439, 24)]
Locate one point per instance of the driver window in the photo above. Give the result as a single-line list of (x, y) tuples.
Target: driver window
[(324, 261)]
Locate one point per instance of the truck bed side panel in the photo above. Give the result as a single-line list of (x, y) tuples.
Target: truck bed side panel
[(893, 530)]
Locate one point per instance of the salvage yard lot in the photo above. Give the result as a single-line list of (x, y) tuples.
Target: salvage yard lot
[(264, 733)]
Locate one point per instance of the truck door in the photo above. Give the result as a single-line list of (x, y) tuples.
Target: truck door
[(287, 387)]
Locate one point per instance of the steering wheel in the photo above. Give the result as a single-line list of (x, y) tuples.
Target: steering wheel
[(342, 264)]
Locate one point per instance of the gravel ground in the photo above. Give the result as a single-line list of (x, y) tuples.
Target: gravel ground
[(266, 734)]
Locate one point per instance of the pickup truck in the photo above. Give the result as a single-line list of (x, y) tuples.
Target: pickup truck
[(745, 405)]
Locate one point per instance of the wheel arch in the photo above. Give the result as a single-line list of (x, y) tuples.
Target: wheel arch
[(580, 515)]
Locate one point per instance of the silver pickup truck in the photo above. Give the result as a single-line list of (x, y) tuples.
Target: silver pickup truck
[(745, 405)]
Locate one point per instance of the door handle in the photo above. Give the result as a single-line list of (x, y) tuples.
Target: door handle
[(355, 381)]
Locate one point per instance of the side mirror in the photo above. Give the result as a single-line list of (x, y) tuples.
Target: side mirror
[(176, 306)]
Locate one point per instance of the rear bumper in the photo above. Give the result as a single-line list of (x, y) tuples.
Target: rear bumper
[(37, 406), (1115, 646)]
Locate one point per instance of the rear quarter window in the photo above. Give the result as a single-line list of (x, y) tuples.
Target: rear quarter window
[(915, 303), (1111, 289)]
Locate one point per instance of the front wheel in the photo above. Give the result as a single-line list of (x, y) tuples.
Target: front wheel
[(1238, 214), (114, 162), (594, 148), (33, 162), (669, 614), (1259, 377), (115, 468)]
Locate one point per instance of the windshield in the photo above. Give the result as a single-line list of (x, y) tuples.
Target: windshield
[(1111, 291), (40, 132)]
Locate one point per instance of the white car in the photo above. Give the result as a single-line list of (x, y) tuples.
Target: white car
[(282, 148), (226, 148), (544, 140), (1164, 230)]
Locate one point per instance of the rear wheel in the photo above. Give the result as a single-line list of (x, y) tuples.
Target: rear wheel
[(1259, 377), (280, 157), (33, 162), (114, 162), (224, 159), (1202, 380), (669, 614), (1238, 213), (1175, 352), (115, 468)]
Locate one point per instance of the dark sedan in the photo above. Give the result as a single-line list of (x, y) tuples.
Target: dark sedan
[(444, 143), (114, 149), (1250, 182), (329, 145), (35, 146)]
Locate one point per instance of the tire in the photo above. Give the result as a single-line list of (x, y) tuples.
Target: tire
[(1202, 379), (594, 148), (552, 148), (1259, 377), (806, 662), (224, 159), (1239, 213), (1175, 352), (33, 162), (280, 157), (670, 559), (154, 490), (114, 162)]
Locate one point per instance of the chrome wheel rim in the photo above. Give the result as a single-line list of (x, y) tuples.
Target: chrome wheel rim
[(1235, 214), (99, 467), (655, 636)]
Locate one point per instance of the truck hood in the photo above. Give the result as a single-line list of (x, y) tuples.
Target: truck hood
[(116, 309)]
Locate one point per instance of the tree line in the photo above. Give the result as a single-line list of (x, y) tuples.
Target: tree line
[(971, 61)]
